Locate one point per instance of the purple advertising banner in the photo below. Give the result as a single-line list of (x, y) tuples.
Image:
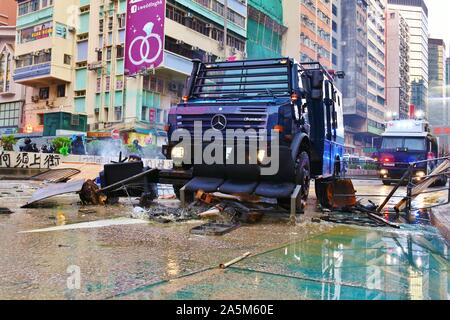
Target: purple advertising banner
[(144, 43)]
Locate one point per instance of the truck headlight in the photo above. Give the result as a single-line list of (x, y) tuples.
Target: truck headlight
[(383, 172), (178, 153), (261, 155), (420, 174)]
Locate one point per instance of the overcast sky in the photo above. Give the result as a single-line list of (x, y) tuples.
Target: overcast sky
[(439, 20)]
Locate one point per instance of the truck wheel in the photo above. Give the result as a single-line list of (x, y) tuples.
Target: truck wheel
[(303, 174), (303, 179), (386, 182)]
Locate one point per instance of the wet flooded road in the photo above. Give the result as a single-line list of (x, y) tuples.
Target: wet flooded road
[(120, 260), (345, 263)]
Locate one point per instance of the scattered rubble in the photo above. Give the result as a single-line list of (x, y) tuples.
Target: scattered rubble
[(5, 211), (165, 214), (87, 211), (214, 229)]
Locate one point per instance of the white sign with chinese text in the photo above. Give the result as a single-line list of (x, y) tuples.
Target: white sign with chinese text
[(29, 160)]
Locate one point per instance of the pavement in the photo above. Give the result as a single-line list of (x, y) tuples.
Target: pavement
[(440, 217), (116, 257)]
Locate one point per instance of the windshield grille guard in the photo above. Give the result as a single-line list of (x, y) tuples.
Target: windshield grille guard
[(245, 82)]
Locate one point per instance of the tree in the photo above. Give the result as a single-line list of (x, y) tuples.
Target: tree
[(61, 145), (8, 142)]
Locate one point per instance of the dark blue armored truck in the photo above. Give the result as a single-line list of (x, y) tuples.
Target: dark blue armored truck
[(297, 102)]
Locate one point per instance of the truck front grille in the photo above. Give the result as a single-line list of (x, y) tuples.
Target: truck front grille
[(244, 120)]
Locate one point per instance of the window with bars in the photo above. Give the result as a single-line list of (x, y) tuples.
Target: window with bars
[(10, 114)]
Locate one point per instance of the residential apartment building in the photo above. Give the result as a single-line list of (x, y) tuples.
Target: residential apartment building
[(437, 104), (336, 35), (376, 68), (447, 75), (359, 49), (398, 55), (315, 31), (354, 51), (265, 29), (415, 12), (8, 12), (12, 95), (71, 54)]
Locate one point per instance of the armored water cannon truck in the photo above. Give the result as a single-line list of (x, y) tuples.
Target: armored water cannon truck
[(261, 127), (405, 142)]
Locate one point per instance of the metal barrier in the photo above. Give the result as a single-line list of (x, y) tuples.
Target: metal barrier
[(418, 177)]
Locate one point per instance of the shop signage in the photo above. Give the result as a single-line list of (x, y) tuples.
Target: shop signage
[(144, 43)]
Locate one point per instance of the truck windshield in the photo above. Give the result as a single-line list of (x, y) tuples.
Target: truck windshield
[(411, 144), (243, 79)]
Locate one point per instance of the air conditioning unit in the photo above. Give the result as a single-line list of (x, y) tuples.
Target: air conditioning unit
[(209, 25), (221, 45), (98, 49), (47, 50), (189, 15), (71, 29), (50, 104), (180, 42), (95, 65), (193, 48), (173, 87), (35, 98)]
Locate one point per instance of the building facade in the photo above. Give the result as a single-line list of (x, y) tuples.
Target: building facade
[(265, 29), (315, 31), (415, 12), (376, 68), (354, 61), (8, 13), (12, 95), (437, 104), (336, 35), (71, 55), (397, 54)]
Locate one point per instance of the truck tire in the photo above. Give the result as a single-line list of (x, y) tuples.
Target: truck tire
[(386, 182), (303, 174), (302, 178)]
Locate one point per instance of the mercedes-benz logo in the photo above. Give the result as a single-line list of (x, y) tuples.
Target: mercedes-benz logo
[(219, 122)]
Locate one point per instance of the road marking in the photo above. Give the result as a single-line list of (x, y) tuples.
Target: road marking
[(90, 225)]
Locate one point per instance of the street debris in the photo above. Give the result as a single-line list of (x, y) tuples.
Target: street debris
[(335, 193), (90, 194), (56, 175), (337, 199), (87, 211), (165, 214), (234, 261), (214, 229), (54, 190), (5, 211)]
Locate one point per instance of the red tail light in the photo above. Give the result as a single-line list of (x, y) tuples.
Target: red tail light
[(387, 159)]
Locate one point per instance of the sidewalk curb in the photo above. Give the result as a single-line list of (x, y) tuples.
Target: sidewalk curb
[(440, 218)]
